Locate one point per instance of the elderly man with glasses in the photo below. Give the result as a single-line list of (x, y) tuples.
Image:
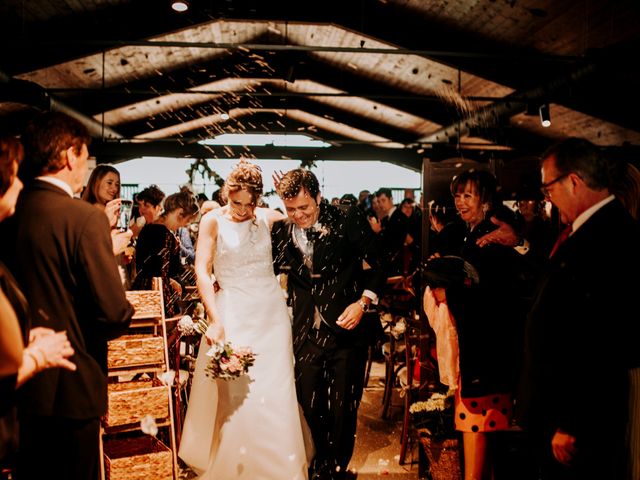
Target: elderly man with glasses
[(578, 351)]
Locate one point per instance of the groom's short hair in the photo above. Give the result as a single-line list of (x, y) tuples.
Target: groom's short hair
[(295, 180)]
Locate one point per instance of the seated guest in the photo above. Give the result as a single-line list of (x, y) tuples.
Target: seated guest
[(158, 249)]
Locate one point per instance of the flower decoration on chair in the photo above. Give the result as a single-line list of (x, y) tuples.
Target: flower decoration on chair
[(435, 415), (187, 326)]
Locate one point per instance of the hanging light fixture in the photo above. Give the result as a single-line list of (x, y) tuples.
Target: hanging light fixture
[(180, 5), (545, 116)]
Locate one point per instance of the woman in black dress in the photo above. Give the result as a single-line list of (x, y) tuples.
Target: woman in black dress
[(158, 249)]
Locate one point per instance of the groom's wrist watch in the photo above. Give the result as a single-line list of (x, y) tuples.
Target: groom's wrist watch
[(364, 305)]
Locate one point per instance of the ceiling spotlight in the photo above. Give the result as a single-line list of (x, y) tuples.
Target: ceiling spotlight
[(180, 5), (545, 116)]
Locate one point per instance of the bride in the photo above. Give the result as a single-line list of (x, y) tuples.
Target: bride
[(249, 427)]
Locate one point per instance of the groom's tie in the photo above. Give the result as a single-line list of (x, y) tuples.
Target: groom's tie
[(311, 234)]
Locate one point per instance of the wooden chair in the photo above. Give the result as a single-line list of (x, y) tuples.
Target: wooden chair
[(397, 307), (393, 351), (136, 364), (412, 380)]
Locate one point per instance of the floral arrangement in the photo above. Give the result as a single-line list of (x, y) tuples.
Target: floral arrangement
[(435, 415), (186, 326), (226, 363)]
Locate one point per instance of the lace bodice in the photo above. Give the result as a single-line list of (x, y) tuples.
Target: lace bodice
[(243, 252)]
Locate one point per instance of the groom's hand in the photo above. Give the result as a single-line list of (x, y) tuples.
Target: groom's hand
[(351, 316)]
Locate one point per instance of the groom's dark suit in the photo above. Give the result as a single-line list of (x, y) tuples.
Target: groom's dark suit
[(60, 251), (329, 360)]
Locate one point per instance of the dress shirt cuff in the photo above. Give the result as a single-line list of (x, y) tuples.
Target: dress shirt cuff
[(371, 296)]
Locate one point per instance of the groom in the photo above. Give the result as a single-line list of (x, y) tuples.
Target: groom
[(322, 249)]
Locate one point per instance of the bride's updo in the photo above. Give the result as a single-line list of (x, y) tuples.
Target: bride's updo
[(244, 176)]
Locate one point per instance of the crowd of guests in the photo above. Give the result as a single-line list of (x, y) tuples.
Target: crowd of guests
[(536, 334), (73, 259), (540, 346)]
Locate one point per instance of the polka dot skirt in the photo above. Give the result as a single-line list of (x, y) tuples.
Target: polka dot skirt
[(483, 414)]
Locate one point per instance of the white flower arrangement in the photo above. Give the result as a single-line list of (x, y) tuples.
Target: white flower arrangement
[(435, 414), (186, 326)]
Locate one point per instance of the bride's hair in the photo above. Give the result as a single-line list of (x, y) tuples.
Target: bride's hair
[(244, 176)]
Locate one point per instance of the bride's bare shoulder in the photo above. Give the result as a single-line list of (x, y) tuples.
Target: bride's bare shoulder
[(271, 215)]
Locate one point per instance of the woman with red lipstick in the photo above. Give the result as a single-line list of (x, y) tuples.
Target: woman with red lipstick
[(489, 333)]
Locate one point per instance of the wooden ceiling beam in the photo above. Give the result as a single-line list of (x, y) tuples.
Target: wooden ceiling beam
[(115, 152)]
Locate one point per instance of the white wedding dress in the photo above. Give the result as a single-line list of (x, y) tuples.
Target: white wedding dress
[(249, 427)]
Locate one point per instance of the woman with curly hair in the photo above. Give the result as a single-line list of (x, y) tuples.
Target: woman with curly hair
[(235, 440)]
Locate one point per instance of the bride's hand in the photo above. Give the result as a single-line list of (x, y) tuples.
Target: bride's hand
[(215, 333)]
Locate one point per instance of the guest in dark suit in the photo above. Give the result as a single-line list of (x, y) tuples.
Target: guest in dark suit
[(322, 248), (579, 346), (60, 251), (19, 360), (394, 232)]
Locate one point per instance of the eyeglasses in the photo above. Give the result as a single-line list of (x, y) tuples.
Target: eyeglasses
[(544, 188)]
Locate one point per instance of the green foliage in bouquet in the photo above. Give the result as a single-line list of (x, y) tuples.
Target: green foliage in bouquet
[(435, 415)]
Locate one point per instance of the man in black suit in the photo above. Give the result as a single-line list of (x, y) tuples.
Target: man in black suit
[(60, 250), (579, 346), (394, 232), (322, 248)]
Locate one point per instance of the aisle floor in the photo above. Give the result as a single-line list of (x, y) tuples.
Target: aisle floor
[(378, 441)]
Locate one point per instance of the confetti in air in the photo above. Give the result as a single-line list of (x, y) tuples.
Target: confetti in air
[(148, 425)]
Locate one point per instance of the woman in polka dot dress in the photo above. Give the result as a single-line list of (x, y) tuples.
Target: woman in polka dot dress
[(487, 307)]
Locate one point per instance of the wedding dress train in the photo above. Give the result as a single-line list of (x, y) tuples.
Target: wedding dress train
[(249, 427)]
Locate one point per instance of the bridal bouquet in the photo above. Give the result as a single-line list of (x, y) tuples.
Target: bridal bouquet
[(226, 362)]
